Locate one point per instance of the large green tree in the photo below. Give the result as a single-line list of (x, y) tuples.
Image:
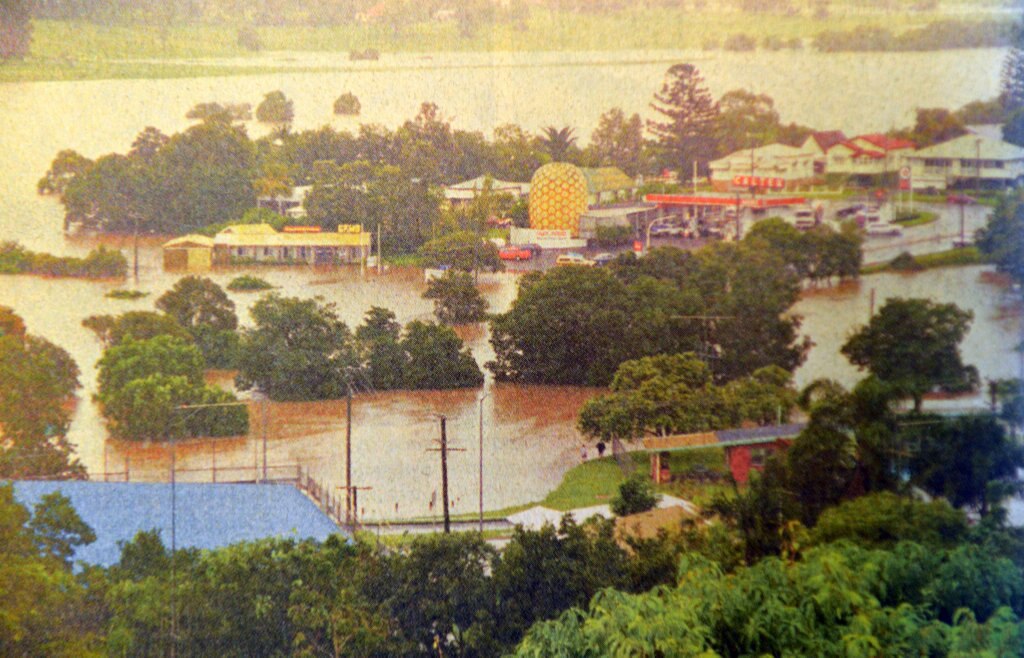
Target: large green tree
[(144, 383), (204, 309), (1002, 239), (298, 349), (746, 120), (914, 344), (686, 134), (619, 141), (38, 585), (39, 379), (456, 299)]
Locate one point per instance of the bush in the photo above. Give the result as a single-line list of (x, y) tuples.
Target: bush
[(905, 262), (249, 39), (740, 43), (247, 283), (100, 263), (635, 495), (122, 293), (613, 236), (347, 103), (275, 108)]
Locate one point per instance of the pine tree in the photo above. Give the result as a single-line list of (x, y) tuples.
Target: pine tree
[(1012, 83), (688, 134)]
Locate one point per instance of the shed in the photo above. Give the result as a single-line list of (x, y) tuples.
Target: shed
[(189, 252), (745, 448)]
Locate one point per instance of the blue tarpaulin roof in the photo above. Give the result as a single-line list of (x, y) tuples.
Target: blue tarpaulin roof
[(208, 515)]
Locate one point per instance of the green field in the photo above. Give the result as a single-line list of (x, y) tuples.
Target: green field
[(66, 50)]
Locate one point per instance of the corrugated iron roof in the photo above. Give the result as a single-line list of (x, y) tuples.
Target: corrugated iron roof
[(258, 235), (606, 179), (730, 437), (208, 515), (190, 240)]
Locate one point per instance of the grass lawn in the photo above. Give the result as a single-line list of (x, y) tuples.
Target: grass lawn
[(950, 258), (916, 218)]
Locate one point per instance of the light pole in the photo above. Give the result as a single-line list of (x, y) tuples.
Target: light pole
[(647, 242), (480, 401)]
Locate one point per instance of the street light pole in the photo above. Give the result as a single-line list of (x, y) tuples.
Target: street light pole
[(480, 400)]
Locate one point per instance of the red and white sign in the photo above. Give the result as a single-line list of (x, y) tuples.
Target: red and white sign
[(759, 181), (905, 173)]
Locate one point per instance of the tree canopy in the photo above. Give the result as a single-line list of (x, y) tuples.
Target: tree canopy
[(456, 299), (39, 378), (914, 344), (1002, 239)]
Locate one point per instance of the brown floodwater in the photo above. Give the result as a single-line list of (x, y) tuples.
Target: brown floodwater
[(529, 436)]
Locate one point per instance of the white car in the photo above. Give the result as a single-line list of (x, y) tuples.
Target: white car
[(883, 229)]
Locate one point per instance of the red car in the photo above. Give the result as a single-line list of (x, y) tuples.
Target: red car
[(514, 252)]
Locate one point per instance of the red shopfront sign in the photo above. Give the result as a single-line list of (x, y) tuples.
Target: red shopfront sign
[(759, 181)]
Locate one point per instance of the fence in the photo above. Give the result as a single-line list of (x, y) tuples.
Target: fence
[(322, 496)]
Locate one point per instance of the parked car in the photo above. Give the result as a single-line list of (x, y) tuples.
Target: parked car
[(603, 258), (515, 252), (804, 224), (535, 249), (574, 259), (851, 209), (961, 199), (884, 229)]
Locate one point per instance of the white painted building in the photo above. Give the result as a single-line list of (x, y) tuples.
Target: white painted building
[(793, 165), (968, 160), (466, 191)]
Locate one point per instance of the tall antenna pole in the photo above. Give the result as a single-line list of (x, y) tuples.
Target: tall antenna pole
[(348, 454)]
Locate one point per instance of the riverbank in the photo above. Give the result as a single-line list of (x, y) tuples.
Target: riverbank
[(80, 50), (958, 257)]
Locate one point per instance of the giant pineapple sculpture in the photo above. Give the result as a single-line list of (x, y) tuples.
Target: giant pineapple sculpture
[(558, 197)]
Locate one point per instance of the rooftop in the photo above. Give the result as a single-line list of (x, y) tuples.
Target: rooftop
[(264, 235), (208, 515), (972, 147), (723, 438), (605, 179)]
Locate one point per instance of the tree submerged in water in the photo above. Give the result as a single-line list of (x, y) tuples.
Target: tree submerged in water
[(347, 104)]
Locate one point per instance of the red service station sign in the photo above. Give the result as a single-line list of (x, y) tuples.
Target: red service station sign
[(759, 181)]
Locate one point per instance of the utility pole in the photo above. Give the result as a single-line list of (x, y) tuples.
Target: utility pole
[(380, 252), (174, 548), (481, 480), (443, 449), (348, 456), (263, 431)]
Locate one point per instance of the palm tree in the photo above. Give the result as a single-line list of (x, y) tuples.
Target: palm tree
[(557, 141)]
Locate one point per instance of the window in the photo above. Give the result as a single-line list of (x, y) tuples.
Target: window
[(266, 251), (758, 456), (937, 162)]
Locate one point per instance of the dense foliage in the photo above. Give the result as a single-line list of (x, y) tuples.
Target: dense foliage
[(143, 385), (675, 394), (1002, 239), (39, 379), (204, 310), (100, 263), (914, 344), (300, 350), (456, 299), (725, 302)]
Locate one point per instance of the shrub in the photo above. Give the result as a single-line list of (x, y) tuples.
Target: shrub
[(247, 282), (249, 39), (613, 236), (347, 103), (740, 43), (635, 495), (122, 293), (905, 262), (275, 108)]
